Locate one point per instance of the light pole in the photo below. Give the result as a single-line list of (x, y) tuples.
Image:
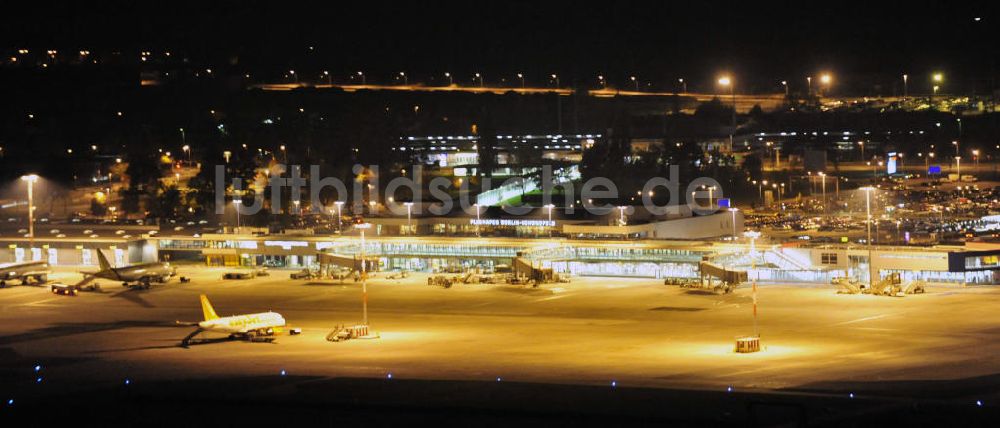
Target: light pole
[(329, 79), (294, 76), (753, 235), (339, 204), (636, 82), (409, 213), (406, 80), (975, 156), (236, 207), (785, 84), (861, 144), (733, 211), (363, 80), (480, 77), (727, 81), (823, 176), (868, 208), (958, 166), (450, 81), (556, 78), (809, 86), (906, 78), (684, 86), (521, 77), (825, 80), (477, 218), (621, 215), (364, 274), (711, 200), (604, 83), (187, 150), (31, 179)]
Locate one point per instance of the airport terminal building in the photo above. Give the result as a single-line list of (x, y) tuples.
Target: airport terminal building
[(431, 244)]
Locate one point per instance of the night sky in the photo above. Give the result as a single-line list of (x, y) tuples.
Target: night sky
[(658, 41)]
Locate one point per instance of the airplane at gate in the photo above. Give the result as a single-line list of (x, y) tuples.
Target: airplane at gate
[(37, 270), (141, 274)]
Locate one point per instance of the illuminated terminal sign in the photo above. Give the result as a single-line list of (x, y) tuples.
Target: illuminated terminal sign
[(512, 222)]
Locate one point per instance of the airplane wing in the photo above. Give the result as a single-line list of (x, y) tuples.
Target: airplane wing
[(87, 279)]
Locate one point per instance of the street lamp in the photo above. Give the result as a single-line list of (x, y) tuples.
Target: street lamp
[(362, 76), (549, 207), (329, 79), (733, 211), (31, 179), (364, 274), (556, 78), (339, 204), (187, 150), (521, 76), (621, 215), (406, 80), (785, 84), (480, 77), (604, 83), (906, 79), (450, 81), (477, 218), (958, 166), (727, 81), (826, 80), (236, 207), (636, 81), (684, 85), (409, 212), (868, 208), (823, 176)]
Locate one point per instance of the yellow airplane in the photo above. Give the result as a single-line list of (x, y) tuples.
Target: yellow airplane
[(252, 327)]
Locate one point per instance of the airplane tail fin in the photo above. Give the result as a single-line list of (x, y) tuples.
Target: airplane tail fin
[(207, 309), (105, 265)]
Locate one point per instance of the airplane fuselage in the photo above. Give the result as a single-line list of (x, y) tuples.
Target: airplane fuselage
[(39, 270), (143, 273), (262, 323)]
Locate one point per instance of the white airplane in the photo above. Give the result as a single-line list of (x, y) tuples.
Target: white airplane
[(139, 275), (252, 327), (25, 271)]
